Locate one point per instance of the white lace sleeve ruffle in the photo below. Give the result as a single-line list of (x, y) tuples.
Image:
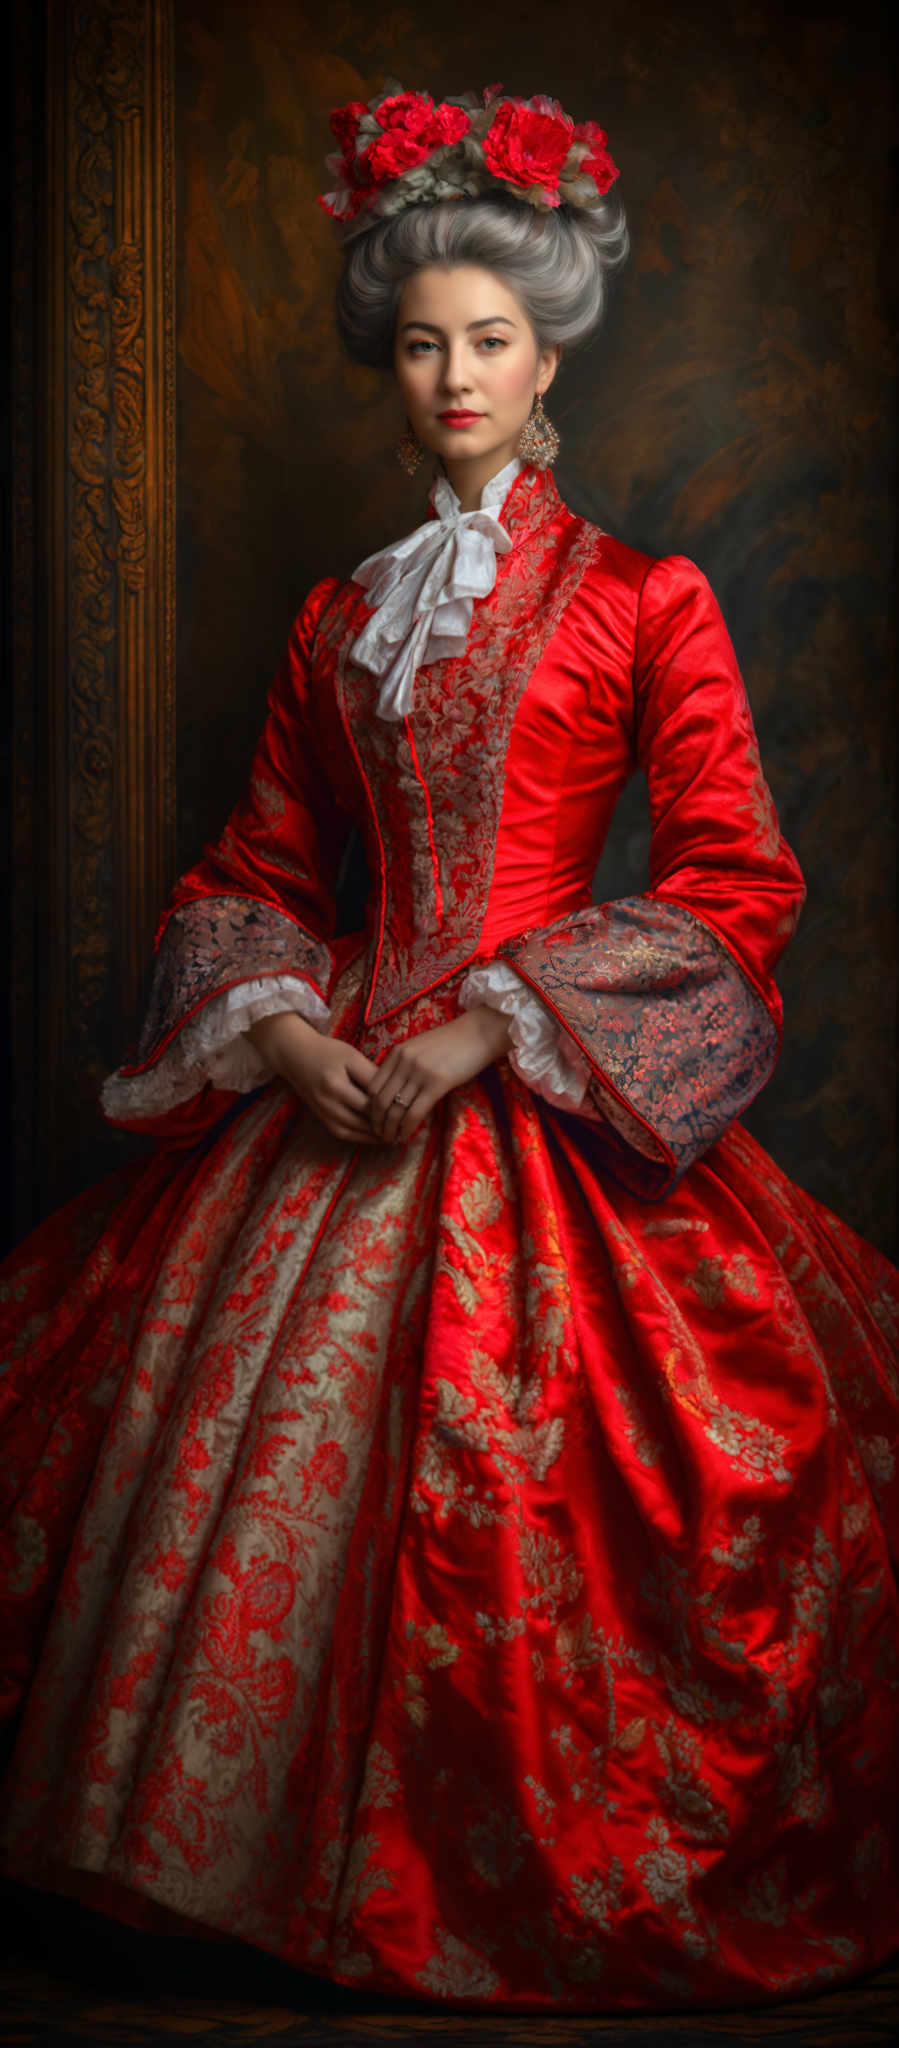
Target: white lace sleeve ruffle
[(541, 1053), (212, 1046)]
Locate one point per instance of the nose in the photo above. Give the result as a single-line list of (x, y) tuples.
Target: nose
[(457, 369)]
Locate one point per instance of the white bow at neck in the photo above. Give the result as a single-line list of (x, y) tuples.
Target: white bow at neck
[(422, 588)]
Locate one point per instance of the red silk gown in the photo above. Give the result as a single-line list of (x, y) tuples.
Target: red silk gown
[(463, 1568)]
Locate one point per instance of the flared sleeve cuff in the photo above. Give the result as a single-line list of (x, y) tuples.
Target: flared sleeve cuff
[(223, 962), (213, 1047), (541, 1053), (677, 1038)]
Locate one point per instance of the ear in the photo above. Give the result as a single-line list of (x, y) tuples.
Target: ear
[(547, 364)]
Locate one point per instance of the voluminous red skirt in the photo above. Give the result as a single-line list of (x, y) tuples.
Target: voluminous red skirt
[(443, 1570)]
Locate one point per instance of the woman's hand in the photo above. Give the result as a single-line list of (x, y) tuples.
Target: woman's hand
[(415, 1074), (332, 1078)]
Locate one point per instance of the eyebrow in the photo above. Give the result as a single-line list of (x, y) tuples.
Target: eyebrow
[(499, 320)]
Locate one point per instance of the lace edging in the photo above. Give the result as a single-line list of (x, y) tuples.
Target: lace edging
[(212, 1046), (557, 1072)]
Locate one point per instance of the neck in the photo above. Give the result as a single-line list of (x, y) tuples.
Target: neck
[(468, 478)]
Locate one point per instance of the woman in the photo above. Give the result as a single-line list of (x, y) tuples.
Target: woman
[(453, 1481)]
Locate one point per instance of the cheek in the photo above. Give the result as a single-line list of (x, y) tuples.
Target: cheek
[(415, 374), (515, 376)]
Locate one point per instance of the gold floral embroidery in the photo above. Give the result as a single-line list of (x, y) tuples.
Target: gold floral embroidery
[(546, 1807), (456, 1970), (760, 804), (690, 1802), (743, 1548), (646, 1448), (381, 1785), (552, 1571), (666, 1874), (599, 1892), (497, 1844), (713, 1278), (432, 1651)]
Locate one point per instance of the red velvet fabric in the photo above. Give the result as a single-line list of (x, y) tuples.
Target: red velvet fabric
[(442, 1565)]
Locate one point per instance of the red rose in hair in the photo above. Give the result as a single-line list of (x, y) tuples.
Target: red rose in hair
[(598, 162), (528, 146)]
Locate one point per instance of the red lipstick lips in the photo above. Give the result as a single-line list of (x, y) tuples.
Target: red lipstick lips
[(458, 419)]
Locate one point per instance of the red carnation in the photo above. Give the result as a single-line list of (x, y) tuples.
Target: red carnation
[(345, 124), (413, 126), (413, 111), (598, 163), (451, 122), (526, 146)]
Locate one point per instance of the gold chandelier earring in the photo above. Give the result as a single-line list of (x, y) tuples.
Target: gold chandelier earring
[(538, 442), (409, 450)]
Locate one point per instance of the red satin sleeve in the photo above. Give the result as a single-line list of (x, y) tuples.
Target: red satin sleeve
[(260, 901), (671, 994), (716, 843)]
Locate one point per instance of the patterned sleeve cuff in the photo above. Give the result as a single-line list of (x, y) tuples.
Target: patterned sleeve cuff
[(542, 1054), (678, 1039), (212, 1046)]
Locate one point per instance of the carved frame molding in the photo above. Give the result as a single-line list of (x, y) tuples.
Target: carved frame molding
[(93, 569)]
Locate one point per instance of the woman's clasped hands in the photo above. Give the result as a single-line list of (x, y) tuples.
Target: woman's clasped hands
[(365, 1103)]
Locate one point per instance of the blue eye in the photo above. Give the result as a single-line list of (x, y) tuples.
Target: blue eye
[(490, 342)]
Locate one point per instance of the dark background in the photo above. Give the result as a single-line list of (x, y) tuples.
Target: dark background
[(736, 407)]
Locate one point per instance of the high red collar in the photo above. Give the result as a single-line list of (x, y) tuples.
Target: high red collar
[(530, 501)]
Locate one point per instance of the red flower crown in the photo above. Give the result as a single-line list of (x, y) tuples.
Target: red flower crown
[(400, 149)]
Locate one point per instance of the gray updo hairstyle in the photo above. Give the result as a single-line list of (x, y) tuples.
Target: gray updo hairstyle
[(554, 262)]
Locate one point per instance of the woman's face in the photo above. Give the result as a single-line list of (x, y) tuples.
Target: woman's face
[(465, 347)]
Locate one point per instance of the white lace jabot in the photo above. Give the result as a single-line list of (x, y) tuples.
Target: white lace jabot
[(422, 588)]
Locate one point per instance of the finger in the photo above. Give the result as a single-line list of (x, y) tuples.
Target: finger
[(414, 1118), (383, 1091), (361, 1069), (350, 1133), (345, 1093), (385, 1078), (334, 1105), (347, 1115), (355, 1092), (396, 1121)]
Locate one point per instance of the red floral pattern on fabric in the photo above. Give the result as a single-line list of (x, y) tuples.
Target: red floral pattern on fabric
[(679, 1040), (322, 1482)]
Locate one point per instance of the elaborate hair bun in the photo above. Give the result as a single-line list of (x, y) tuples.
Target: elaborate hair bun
[(400, 149)]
